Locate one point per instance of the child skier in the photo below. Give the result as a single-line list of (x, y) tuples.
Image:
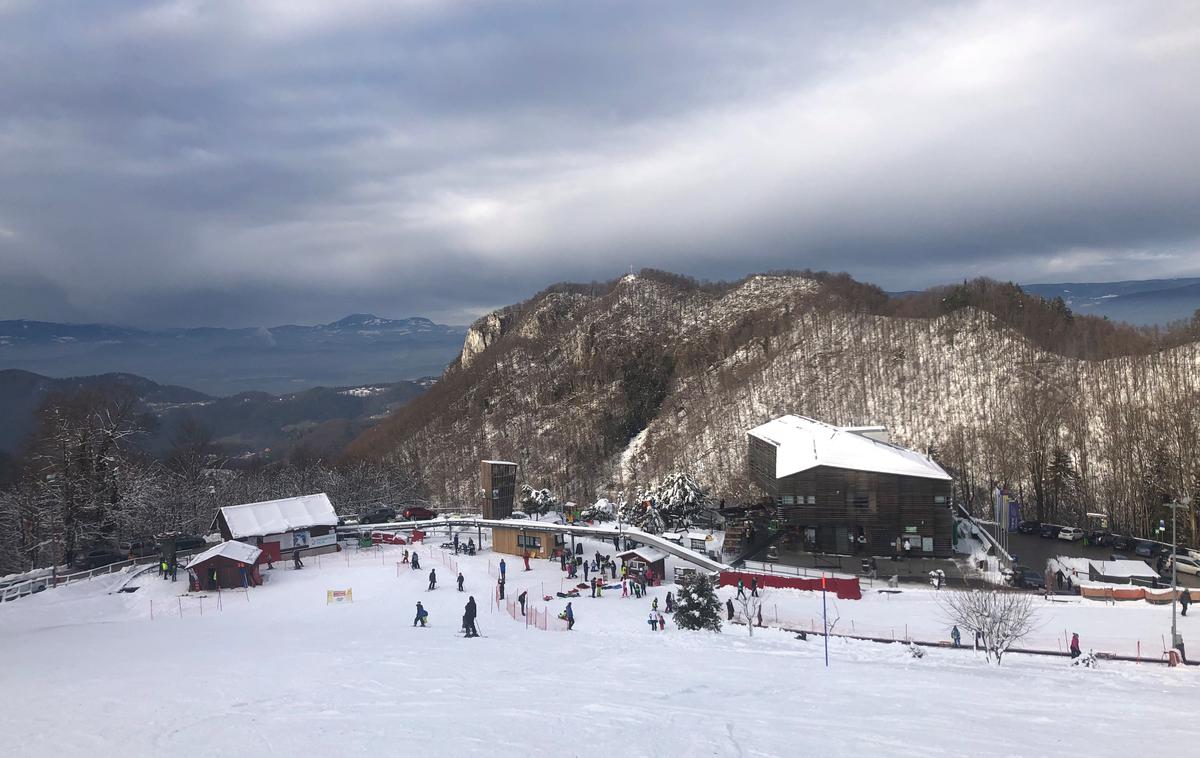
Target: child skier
[(432, 579), (460, 581), (422, 614)]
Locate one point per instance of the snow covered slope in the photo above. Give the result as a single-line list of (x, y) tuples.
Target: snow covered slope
[(280, 672)]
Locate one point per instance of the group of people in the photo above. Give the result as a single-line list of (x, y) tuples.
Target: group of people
[(741, 589), (413, 559), (469, 548)]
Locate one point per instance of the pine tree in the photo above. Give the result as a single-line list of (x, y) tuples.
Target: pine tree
[(698, 606)]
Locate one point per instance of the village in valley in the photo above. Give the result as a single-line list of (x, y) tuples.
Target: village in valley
[(854, 571)]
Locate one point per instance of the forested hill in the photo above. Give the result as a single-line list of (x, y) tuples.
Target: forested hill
[(602, 388), (323, 419)]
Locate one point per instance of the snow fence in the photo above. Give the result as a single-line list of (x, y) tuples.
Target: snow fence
[(845, 588)]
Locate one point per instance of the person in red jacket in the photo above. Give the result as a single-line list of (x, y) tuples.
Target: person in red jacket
[(1075, 651), (526, 557)]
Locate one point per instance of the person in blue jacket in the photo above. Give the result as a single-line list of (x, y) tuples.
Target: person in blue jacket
[(570, 617), (422, 614)]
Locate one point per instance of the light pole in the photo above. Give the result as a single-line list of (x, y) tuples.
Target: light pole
[(1176, 642)]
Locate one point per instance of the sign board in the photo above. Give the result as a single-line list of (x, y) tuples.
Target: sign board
[(927, 544), (339, 596), (324, 539)]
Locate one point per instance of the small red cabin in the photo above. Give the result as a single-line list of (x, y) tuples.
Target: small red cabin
[(229, 565)]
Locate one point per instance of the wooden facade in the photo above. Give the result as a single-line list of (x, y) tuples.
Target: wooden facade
[(846, 511), (498, 483), (515, 540)]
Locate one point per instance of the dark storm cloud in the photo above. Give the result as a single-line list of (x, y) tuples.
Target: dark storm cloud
[(294, 160)]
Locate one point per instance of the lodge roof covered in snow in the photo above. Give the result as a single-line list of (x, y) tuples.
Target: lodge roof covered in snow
[(1124, 569), (231, 549), (803, 443), (278, 516), (647, 554)]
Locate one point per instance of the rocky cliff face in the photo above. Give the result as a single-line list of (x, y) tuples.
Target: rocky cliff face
[(595, 394)]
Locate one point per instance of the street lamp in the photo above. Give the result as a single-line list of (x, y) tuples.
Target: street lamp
[(1176, 642)]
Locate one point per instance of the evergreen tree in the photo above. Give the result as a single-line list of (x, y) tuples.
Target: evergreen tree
[(698, 606)]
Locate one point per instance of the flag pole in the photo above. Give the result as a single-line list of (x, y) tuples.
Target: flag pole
[(825, 619)]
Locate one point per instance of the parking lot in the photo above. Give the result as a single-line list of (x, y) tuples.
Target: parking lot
[(1033, 551)]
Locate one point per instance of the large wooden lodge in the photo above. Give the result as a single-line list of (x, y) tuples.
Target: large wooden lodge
[(848, 490)]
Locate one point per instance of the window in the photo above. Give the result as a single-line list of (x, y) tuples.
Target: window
[(789, 500), (860, 499), (810, 499), (533, 543), (939, 498)]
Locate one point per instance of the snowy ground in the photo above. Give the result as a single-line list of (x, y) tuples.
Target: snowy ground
[(89, 672)]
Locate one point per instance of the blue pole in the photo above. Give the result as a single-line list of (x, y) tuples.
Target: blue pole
[(825, 620)]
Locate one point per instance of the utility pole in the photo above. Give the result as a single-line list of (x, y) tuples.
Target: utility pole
[(1176, 640)]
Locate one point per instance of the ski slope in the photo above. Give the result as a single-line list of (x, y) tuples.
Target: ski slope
[(278, 671)]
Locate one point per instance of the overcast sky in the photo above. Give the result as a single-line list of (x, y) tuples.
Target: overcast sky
[(241, 162)]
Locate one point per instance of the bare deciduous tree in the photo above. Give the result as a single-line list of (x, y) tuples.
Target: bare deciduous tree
[(1001, 619)]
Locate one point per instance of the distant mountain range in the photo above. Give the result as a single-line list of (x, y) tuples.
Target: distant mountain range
[(357, 350), (323, 419), (1146, 302)]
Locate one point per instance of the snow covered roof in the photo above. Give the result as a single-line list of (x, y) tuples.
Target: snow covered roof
[(1124, 568), (803, 443), (647, 554), (231, 549), (278, 516), (502, 463)]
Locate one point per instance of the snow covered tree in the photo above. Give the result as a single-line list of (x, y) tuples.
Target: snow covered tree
[(671, 504), (1001, 618), (537, 502), (697, 606)]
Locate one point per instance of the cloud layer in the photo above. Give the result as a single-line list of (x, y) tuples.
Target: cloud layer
[(228, 162)]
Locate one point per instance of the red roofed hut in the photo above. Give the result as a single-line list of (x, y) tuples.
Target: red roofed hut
[(229, 565)]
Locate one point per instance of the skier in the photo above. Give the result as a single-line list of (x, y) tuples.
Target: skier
[(521, 600), (624, 588), (729, 608), (654, 605), (741, 589), (585, 571), (416, 561), (296, 559), (754, 586), (653, 621), (599, 587), (470, 546), (592, 586), (500, 584), (432, 579), (422, 614), (502, 567), (956, 636), (460, 581), (456, 543), (469, 618), (405, 559), (1075, 651), (1185, 600), (612, 565), (662, 623), (670, 606), (526, 557), (570, 618)]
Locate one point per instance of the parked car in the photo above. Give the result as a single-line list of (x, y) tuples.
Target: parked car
[(1050, 531), (380, 515), (1185, 565), (1029, 527), (1144, 549), (1100, 537), (519, 515), (419, 513), (1070, 533), (139, 548), (1121, 543), (98, 556), (185, 542), (1032, 580), (350, 519)]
